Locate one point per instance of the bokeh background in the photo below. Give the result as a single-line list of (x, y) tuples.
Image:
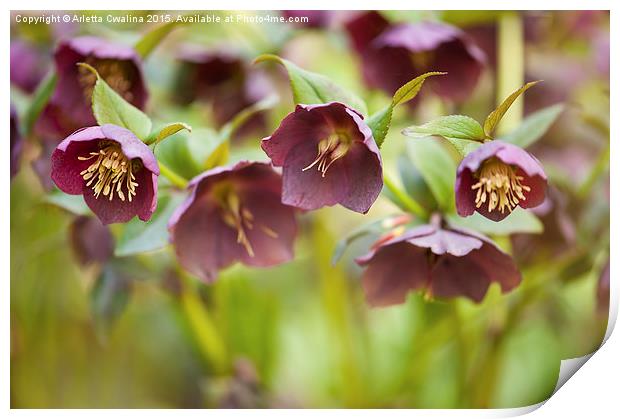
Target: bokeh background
[(139, 332)]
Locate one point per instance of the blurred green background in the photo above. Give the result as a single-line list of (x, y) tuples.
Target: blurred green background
[(301, 334)]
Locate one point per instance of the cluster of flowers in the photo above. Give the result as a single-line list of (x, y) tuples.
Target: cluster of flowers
[(320, 155)]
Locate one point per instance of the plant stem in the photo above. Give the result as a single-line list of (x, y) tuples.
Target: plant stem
[(510, 67), (411, 204), (172, 176)]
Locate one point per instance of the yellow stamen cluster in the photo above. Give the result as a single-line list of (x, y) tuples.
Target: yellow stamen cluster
[(112, 71), (110, 173), (238, 217), (499, 186), (331, 149)]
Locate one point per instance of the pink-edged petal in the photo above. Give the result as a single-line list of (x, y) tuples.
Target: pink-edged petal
[(447, 241), (465, 195)]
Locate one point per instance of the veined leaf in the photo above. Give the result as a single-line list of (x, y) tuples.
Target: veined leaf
[(494, 117), (460, 130), (534, 126)]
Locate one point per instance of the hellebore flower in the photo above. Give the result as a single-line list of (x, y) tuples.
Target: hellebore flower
[(495, 178), (28, 65), (90, 240), (221, 78), (443, 262), (394, 54), (233, 214), (119, 65), (328, 157), (115, 171), (16, 142)]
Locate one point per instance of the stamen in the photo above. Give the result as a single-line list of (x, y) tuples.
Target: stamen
[(114, 72), (240, 218), (499, 187), (330, 149), (110, 171)]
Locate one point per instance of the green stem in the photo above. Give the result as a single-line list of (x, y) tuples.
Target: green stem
[(208, 339), (172, 176), (410, 204), (510, 67)]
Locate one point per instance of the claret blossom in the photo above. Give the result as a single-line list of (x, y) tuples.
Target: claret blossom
[(496, 178), (70, 105), (438, 260), (115, 171), (393, 54), (328, 156), (233, 214)]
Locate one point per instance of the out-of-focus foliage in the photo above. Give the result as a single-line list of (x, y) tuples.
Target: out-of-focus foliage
[(143, 333)]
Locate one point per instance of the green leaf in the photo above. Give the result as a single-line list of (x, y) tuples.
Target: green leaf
[(169, 130), (459, 130), (110, 108), (438, 169), (73, 203), (311, 88), (414, 183), (534, 126), (520, 221), (151, 39), (411, 89), (494, 117), (39, 99), (380, 121), (139, 236)]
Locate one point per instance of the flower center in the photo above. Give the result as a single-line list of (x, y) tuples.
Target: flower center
[(239, 217), (111, 172), (112, 71), (331, 149), (499, 186)]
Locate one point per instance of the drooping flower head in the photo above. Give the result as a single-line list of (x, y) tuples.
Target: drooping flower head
[(394, 54), (222, 78), (91, 241), (328, 156), (442, 262), (115, 171), (70, 106), (496, 178), (233, 214), (28, 65)]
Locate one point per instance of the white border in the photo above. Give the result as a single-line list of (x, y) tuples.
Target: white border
[(592, 392)]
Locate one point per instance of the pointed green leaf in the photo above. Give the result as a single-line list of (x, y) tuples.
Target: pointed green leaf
[(410, 89), (494, 117), (534, 126), (460, 130), (73, 203), (437, 167), (311, 88), (380, 121), (139, 236), (110, 108), (151, 39), (169, 130)]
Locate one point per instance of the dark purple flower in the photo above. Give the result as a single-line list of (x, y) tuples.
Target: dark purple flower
[(495, 178), (316, 18), (113, 169), (119, 65), (394, 54), (28, 65), (328, 157), (90, 240), (233, 214), (442, 262), (16, 142), (221, 78)]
